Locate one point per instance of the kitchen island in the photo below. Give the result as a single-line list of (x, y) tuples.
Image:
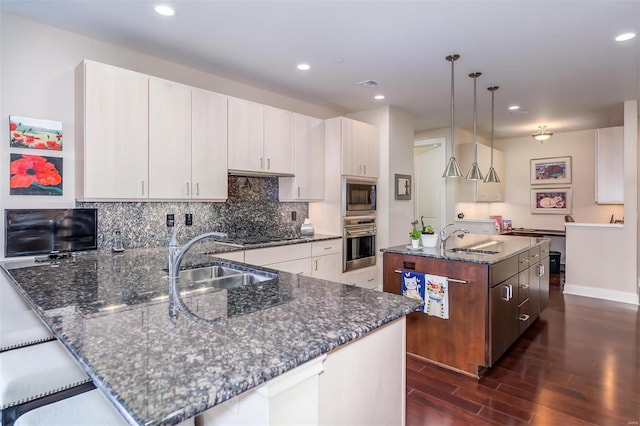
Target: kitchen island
[(497, 286), (111, 311)]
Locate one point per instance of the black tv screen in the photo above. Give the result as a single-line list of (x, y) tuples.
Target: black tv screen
[(31, 232)]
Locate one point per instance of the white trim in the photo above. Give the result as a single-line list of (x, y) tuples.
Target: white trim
[(593, 225), (428, 142), (599, 293)]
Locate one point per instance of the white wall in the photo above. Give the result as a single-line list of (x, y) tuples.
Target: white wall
[(518, 152)]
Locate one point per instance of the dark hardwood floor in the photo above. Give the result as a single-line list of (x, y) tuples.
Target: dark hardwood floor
[(578, 364)]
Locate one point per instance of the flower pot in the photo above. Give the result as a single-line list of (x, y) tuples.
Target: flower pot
[(429, 240), (415, 244)]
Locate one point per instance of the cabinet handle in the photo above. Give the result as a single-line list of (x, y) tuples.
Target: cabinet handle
[(187, 189), (540, 270), (298, 191), (536, 255), (365, 169), (524, 317), (525, 261), (316, 267), (261, 163), (268, 163), (506, 297), (370, 279), (360, 168), (142, 182), (509, 294), (328, 248), (524, 286)]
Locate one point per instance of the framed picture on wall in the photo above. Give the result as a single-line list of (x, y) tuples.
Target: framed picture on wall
[(403, 187), (551, 170), (551, 200)]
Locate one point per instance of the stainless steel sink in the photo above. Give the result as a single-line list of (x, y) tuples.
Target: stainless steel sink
[(206, 273), (238, 280), (467, 250)]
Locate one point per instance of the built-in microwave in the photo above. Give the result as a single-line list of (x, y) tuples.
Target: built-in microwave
[(359, 197)]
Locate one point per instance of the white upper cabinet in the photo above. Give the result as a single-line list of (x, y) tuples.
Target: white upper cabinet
[(208, 145), (308, 183), (169, 140), (610, 165), (146, 138), (112, 137), (260, 139), (278, 141), (359, 148)]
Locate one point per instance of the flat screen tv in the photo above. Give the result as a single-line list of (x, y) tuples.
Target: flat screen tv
[(31, 232)]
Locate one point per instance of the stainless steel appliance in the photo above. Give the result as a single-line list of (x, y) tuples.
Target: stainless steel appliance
[(359, 242), (359, 197)]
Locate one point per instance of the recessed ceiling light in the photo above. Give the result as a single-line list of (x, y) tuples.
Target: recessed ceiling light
[(378, 97), (164, 10), (514, 107), (304, 67), (626, 36)]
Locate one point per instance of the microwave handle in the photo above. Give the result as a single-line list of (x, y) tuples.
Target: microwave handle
[(359, 233)]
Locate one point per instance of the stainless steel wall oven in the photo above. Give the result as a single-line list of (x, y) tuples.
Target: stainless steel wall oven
[(359, 241)]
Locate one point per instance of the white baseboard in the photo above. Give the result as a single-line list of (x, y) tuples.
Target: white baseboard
[(599, 293)]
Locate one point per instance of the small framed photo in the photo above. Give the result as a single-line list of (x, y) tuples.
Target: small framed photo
[(403, 187), (551, 200), (548, 171)]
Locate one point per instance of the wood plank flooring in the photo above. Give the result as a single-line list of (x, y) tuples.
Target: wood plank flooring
[(578, 364)]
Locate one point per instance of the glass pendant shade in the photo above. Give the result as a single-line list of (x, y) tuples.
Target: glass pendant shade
[(492, 176), (474, 172), (452, 169), (542, 135)]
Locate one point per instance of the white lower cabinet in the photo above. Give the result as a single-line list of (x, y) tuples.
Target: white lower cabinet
[(365, 278), (318, 259), (334, 389)]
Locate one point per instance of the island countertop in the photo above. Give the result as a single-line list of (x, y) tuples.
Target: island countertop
[(111, 311), (504, 247)]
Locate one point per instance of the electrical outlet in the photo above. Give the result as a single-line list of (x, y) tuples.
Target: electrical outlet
[(293, 215), (170, 219), (188, 219)]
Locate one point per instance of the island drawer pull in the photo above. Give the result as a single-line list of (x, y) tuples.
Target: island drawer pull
[(453, 280), (524, 317)]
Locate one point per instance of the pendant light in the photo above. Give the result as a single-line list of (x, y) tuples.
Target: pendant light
[(492, 176), (452, 169), (474, 172), (542, 135)]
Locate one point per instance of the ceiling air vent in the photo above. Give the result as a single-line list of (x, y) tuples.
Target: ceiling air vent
[(368, 83)]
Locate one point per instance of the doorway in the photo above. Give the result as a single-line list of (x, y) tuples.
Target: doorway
[(430, 191)]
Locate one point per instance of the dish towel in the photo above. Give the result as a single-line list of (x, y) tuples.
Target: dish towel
[(436, 301), (413, 286)]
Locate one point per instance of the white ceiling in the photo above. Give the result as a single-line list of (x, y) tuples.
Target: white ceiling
[(556, 59)]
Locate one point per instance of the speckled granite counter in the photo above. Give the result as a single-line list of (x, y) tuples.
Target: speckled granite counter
[(505, 246), (111, 312)]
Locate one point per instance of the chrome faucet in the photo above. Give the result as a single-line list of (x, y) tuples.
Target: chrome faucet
[(461, 232), (175, 257)]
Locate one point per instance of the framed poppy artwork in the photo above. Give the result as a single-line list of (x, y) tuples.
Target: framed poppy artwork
[(551, 200), (35, 175), (34, 133)]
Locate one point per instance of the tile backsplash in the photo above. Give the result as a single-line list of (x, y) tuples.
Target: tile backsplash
[(252, 208)]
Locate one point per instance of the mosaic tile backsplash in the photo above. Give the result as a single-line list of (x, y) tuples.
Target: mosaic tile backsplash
[(252, 209)]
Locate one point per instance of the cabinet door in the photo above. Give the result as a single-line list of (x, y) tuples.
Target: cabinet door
[(114, 160), (169, 139), (278, 141), (208, 145), (359, 148), (308, 183), (246, 135), (503, 308), (327, 267), (369, 142), (610, 165)]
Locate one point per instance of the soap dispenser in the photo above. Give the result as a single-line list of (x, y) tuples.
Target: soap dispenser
[(306, 229)]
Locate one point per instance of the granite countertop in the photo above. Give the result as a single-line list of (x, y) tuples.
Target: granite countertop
[(213, 247), (111, 311), (505, 246)]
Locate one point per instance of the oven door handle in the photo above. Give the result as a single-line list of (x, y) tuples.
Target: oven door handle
[(359, 233)]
